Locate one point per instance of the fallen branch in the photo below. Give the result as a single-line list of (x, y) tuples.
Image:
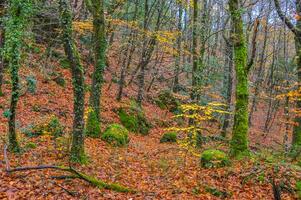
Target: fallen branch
[(76, 174)]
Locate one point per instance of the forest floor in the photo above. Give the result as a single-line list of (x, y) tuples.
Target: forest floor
[(153, 169)]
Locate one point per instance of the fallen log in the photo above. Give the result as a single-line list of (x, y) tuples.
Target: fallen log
[(75, 174)]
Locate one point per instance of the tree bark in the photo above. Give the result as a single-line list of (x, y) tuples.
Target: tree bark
[(77, 148), (239, 142)]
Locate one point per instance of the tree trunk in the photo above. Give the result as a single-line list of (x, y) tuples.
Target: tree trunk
[(239, 143), (178, 47), (228, 84), (15, 26), (96, 7), (77, 148)]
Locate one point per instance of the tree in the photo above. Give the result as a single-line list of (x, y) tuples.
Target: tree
[(239, 143), (2, 7), (194, 50), (96, 8), (296, 29), (18, 15), (77, 148)]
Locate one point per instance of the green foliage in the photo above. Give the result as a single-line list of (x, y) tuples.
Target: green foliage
[(50, 126), (30, 145), (116, 135), (64, 63), (298, 189), (214, 158), (169, 137), (31, 82), (133, 119), (6, 113), (216, 192), (92, 125), (166, 100)]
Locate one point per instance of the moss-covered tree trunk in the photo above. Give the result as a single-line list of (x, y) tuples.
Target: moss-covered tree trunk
[(96, 8), (296, 143), (18, 13), (239, 143), (77, 148), (2, 12)]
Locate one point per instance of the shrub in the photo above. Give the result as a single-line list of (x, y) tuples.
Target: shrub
[(31, 82), (166, 100), (134, 120), (214, 158), (116, 135), (30, 145), (51, 126), (92, 125), (169, 137)]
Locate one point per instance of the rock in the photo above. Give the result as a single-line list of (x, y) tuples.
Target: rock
[(214, 158), (169, 137), (116, 135)]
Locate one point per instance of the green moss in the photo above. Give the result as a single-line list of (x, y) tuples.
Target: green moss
[(30, 145), (134, 120), (166, 100), (239, 143), (169, 137), (298, 189), (93, 125), (116, 135), (214, 158), (216, 192), (64, 63)]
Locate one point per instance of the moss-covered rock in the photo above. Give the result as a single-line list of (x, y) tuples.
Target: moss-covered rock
[(92, 125), (116, 135), (133, 118), (166, 100), (214, 158), (169, 137)]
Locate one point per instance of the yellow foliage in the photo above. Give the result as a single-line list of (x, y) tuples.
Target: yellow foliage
[(199, 114)]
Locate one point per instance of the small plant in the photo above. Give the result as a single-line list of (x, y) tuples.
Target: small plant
[(166, 100), (50, 126), (6, 113), (31, 82), (214, 158), (30, 145), (169, 137), (116, 135), (198, 116), (216, 192)]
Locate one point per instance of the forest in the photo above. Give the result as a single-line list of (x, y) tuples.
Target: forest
[(150, 99)]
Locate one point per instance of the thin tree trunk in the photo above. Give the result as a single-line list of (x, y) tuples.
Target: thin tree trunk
[(77, 148), (179, 47), (259, 78)]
